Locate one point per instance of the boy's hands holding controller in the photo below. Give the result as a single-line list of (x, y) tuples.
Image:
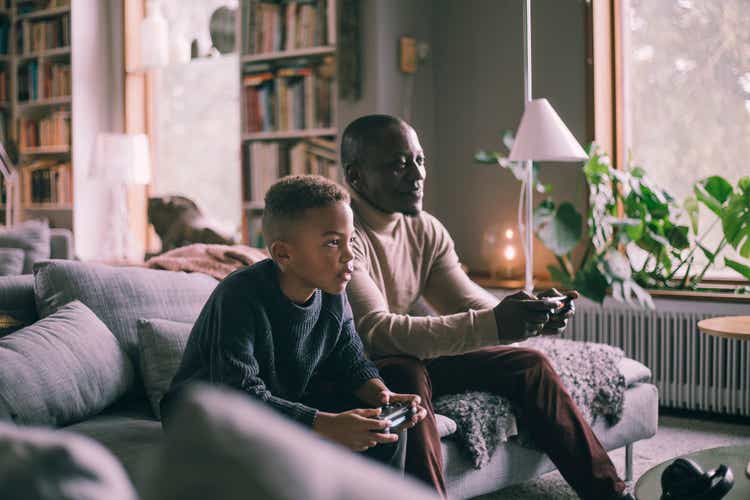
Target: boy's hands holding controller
[(357, 429), (360, 429)]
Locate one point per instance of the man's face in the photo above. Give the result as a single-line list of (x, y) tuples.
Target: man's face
[(392, 171), (320, 249)]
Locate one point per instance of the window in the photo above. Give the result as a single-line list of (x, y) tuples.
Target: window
[(684, 87)]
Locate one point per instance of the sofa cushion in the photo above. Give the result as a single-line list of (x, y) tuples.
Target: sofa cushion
[(633, 371), (31, 236), (162, 344), (62, 368), (121, 295), (42, 464), (445, 425), (11, 261), (129, 430), (222, 444)]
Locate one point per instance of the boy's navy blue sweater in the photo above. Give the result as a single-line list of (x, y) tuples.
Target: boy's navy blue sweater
[(251, 337)]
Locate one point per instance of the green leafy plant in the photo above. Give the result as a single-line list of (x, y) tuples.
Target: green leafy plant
[(627, 208)]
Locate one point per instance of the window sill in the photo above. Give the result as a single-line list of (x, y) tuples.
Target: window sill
[(486, 281)]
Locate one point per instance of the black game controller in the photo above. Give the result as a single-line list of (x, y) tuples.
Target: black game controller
[(397, 413)]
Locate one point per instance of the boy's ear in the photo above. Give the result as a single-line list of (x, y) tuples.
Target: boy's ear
[(281, 253)]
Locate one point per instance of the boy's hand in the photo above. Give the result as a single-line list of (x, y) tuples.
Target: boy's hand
[(353, 428), (417, 410)]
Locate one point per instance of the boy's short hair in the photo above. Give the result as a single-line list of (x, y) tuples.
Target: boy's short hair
[(288, 199)]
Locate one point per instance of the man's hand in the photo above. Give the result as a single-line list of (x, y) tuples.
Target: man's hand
[(521, 315), (418, 412), (354, 428), (559, 318)]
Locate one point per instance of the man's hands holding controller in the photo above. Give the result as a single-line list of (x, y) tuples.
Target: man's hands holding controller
[(523, 315)]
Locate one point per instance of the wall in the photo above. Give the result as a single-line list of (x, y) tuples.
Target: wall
[(479, 94), (385, 89), (469, 92)]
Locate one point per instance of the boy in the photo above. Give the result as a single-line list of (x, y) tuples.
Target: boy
[(282, 330)]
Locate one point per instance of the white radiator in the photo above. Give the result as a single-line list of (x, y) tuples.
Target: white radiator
[(692, 370)]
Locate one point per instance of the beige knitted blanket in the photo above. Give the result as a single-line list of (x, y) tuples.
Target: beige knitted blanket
[(215, 260)]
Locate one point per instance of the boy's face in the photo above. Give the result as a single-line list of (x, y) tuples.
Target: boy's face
[(320, 254)]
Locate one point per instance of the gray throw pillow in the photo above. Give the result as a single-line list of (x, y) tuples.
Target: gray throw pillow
[(162, 344), (42, 464), (119, 296), (222, 444), (31, 236), (61, 369), (11, 261)]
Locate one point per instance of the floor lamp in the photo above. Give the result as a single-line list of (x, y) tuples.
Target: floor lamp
[(541, 136)]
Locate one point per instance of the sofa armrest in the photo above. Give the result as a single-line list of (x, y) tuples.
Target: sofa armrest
[(61, 243)]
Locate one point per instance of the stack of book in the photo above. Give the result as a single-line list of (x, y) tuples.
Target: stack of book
[(52, 130), (55, 79), (36, 36), (265, 162), (290, 98), (29, 6), (47, 182), (262, 169), (289, 25), (4, 33), (3, 86)]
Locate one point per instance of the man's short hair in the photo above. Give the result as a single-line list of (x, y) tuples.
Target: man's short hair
[(288, 199), (362, 132)]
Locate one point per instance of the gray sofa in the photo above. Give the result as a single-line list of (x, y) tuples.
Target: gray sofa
[(119, 296)]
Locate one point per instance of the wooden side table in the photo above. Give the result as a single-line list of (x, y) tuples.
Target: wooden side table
[(731, 327)]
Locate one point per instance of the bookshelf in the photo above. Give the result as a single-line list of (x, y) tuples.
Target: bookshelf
[(36, 88), (288, 96)]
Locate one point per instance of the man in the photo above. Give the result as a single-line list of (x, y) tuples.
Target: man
[(401, 254)]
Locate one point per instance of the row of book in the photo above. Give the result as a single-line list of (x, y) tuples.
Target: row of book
[(29, 6), (277, 26), (3, 135), (47, 182), (4, 34), (51, 130), (36, 36), (55, 80), (265, 162), (291, 98), (3, 86)]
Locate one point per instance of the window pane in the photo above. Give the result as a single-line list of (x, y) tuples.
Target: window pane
[(687, 95)]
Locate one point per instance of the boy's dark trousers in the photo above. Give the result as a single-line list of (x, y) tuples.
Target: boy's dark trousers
[(524, 376)]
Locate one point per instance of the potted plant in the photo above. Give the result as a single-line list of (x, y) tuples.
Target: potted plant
[(627, 211)]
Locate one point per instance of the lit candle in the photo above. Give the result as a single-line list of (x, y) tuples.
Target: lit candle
[(510, 254)]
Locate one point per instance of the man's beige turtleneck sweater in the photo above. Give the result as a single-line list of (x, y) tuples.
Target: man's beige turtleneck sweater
[(399, 259)]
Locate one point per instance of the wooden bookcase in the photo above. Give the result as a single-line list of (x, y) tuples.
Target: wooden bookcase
[(288, 97), (37, 104)]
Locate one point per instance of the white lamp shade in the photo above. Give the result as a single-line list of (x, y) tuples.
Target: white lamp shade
[(542, 136), (154, 37), (122, 158)]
